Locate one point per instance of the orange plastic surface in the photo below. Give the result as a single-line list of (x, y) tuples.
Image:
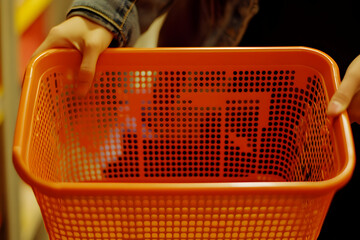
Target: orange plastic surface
[(184, 143)]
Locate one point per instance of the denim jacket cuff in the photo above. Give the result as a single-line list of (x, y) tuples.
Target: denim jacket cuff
[(118, 16)]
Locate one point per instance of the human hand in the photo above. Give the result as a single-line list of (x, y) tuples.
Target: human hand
[(87, 37), (348, 95)]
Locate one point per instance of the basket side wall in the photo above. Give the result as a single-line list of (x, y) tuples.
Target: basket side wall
[(185, 216), (237, 124)]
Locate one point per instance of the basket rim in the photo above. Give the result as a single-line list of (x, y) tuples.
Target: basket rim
[(85, 188)]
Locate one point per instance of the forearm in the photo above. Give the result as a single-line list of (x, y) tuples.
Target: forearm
[(118, 16)]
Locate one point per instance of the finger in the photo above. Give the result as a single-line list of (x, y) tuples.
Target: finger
[(87, 69), (346, 91), (44, 46), (341, 99)]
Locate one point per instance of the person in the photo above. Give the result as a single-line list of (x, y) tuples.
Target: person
[(92, 26)]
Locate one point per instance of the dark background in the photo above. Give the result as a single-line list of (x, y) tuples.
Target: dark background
[(334, 28)]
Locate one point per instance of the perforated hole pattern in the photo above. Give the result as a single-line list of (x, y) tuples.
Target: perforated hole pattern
[(203, 125), (230, 217), (191, 126)]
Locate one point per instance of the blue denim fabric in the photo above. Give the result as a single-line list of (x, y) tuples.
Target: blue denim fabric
[(188, 23), (118, 16)]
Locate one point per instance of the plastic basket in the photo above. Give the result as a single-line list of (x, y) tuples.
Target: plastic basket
[(211, 143)]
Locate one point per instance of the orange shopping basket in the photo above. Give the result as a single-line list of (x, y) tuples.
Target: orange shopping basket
[(184, 143)]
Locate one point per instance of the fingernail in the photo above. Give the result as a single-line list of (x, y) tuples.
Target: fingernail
[(335, 108)]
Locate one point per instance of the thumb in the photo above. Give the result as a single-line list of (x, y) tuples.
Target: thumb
[(347, 89), (343, 96), (87, 70)]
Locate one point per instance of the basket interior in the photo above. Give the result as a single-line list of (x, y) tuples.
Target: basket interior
[(183, 124)]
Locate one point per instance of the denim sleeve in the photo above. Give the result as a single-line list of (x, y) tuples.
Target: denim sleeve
[(118, 16)]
